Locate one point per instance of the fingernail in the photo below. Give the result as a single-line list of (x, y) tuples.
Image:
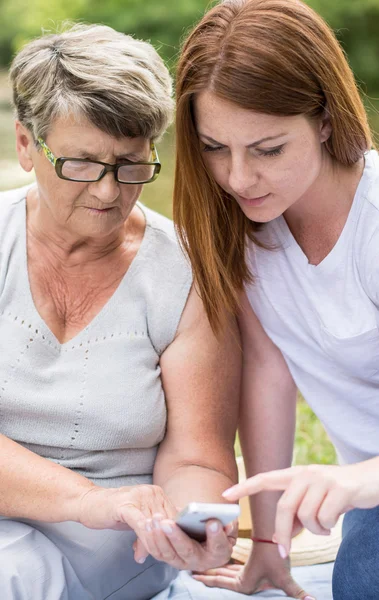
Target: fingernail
[(227, 492), (274, 539), (282, 551), (167, 529), (156, 524), (141, 560), (229, 529), (148, 526), (214, 527), (309, 598)]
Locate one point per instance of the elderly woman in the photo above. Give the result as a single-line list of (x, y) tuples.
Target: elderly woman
[(117, 402)]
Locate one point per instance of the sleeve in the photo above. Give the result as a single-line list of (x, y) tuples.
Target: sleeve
[(370, 267), (169, 285)]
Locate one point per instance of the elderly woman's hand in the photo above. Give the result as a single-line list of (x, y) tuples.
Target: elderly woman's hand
[(124, 507), (149, 513), (165, 541)]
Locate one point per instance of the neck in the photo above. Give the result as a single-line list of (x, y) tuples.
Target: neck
[(329, 198), (71, 249)]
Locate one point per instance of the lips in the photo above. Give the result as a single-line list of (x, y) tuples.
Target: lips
[(256, 199), (101, 209)]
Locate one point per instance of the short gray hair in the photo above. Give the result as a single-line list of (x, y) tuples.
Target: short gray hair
[(118, 83)]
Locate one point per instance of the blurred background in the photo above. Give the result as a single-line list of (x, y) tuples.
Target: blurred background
[(164, 23)]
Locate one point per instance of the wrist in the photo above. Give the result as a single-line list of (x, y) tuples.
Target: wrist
[(260, 540), (266, 533), (80, 505)]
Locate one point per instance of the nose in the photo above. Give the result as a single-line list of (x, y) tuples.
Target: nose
[(243, 175), (106, 189)]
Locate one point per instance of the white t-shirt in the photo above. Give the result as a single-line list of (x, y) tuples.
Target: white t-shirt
[(325, 318)]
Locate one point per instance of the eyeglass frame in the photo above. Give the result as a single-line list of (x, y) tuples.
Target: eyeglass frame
[(59, 162)]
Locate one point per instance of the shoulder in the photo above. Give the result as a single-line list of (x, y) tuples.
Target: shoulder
[(164, 243), (167, 278), (12, 197), (161, 225), (368, 221), (12, 209), (371, 193), (11, 203), (367, 232)]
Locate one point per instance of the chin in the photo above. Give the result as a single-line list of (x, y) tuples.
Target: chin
[(259, 215)]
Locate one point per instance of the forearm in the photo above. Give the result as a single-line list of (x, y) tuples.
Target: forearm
[(33, 487), (267, 426)]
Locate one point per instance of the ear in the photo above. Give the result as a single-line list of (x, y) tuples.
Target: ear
[(325, 126), (24, 146)]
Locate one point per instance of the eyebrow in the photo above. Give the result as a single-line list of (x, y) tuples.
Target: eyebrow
[(252, 145)]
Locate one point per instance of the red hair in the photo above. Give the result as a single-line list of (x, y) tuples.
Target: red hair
[(270, 56)]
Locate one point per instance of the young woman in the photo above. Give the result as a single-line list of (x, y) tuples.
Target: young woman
[(277, 204)]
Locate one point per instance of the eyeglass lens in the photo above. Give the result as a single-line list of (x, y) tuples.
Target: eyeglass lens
[(88, 171)]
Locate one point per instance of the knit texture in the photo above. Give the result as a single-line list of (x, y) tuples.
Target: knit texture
[(94, 404)]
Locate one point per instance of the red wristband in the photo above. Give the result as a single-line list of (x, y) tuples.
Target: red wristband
[(262, 541)]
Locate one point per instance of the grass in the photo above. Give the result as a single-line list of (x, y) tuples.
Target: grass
[(311, 443)]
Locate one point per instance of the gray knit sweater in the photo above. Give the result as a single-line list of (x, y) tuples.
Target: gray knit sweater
[(94, 404)]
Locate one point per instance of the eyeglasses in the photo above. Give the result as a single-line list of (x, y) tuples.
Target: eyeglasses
[(80, 169)]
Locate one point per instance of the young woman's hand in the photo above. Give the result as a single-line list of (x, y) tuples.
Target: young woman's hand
[(316, 495), (265, 570), (165, 541)]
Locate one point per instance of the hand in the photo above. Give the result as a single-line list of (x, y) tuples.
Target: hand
[(265, 570), (165, 541), (316, 495), (124, 508)]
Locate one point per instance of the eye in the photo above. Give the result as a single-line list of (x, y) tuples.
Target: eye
[(207, 148), (272, 152)]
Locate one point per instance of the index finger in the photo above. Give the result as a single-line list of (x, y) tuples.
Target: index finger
[(136, 520), (272, 480)]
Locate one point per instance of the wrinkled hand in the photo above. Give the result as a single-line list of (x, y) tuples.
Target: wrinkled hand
[(165, 541), (316, 495), (264, 570), (124, 508)]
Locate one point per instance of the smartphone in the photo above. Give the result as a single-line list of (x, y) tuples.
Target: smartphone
[(193, 517)]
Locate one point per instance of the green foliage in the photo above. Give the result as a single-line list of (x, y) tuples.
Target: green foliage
[(312, 445), (356, 23), (163, 23)]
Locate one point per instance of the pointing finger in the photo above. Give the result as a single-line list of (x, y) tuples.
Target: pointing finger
[(273, 480)]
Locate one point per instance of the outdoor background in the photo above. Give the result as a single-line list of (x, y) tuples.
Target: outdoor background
[(164, 23)]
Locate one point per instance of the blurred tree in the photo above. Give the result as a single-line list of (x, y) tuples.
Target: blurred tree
[(163, 23), (22, 20)]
